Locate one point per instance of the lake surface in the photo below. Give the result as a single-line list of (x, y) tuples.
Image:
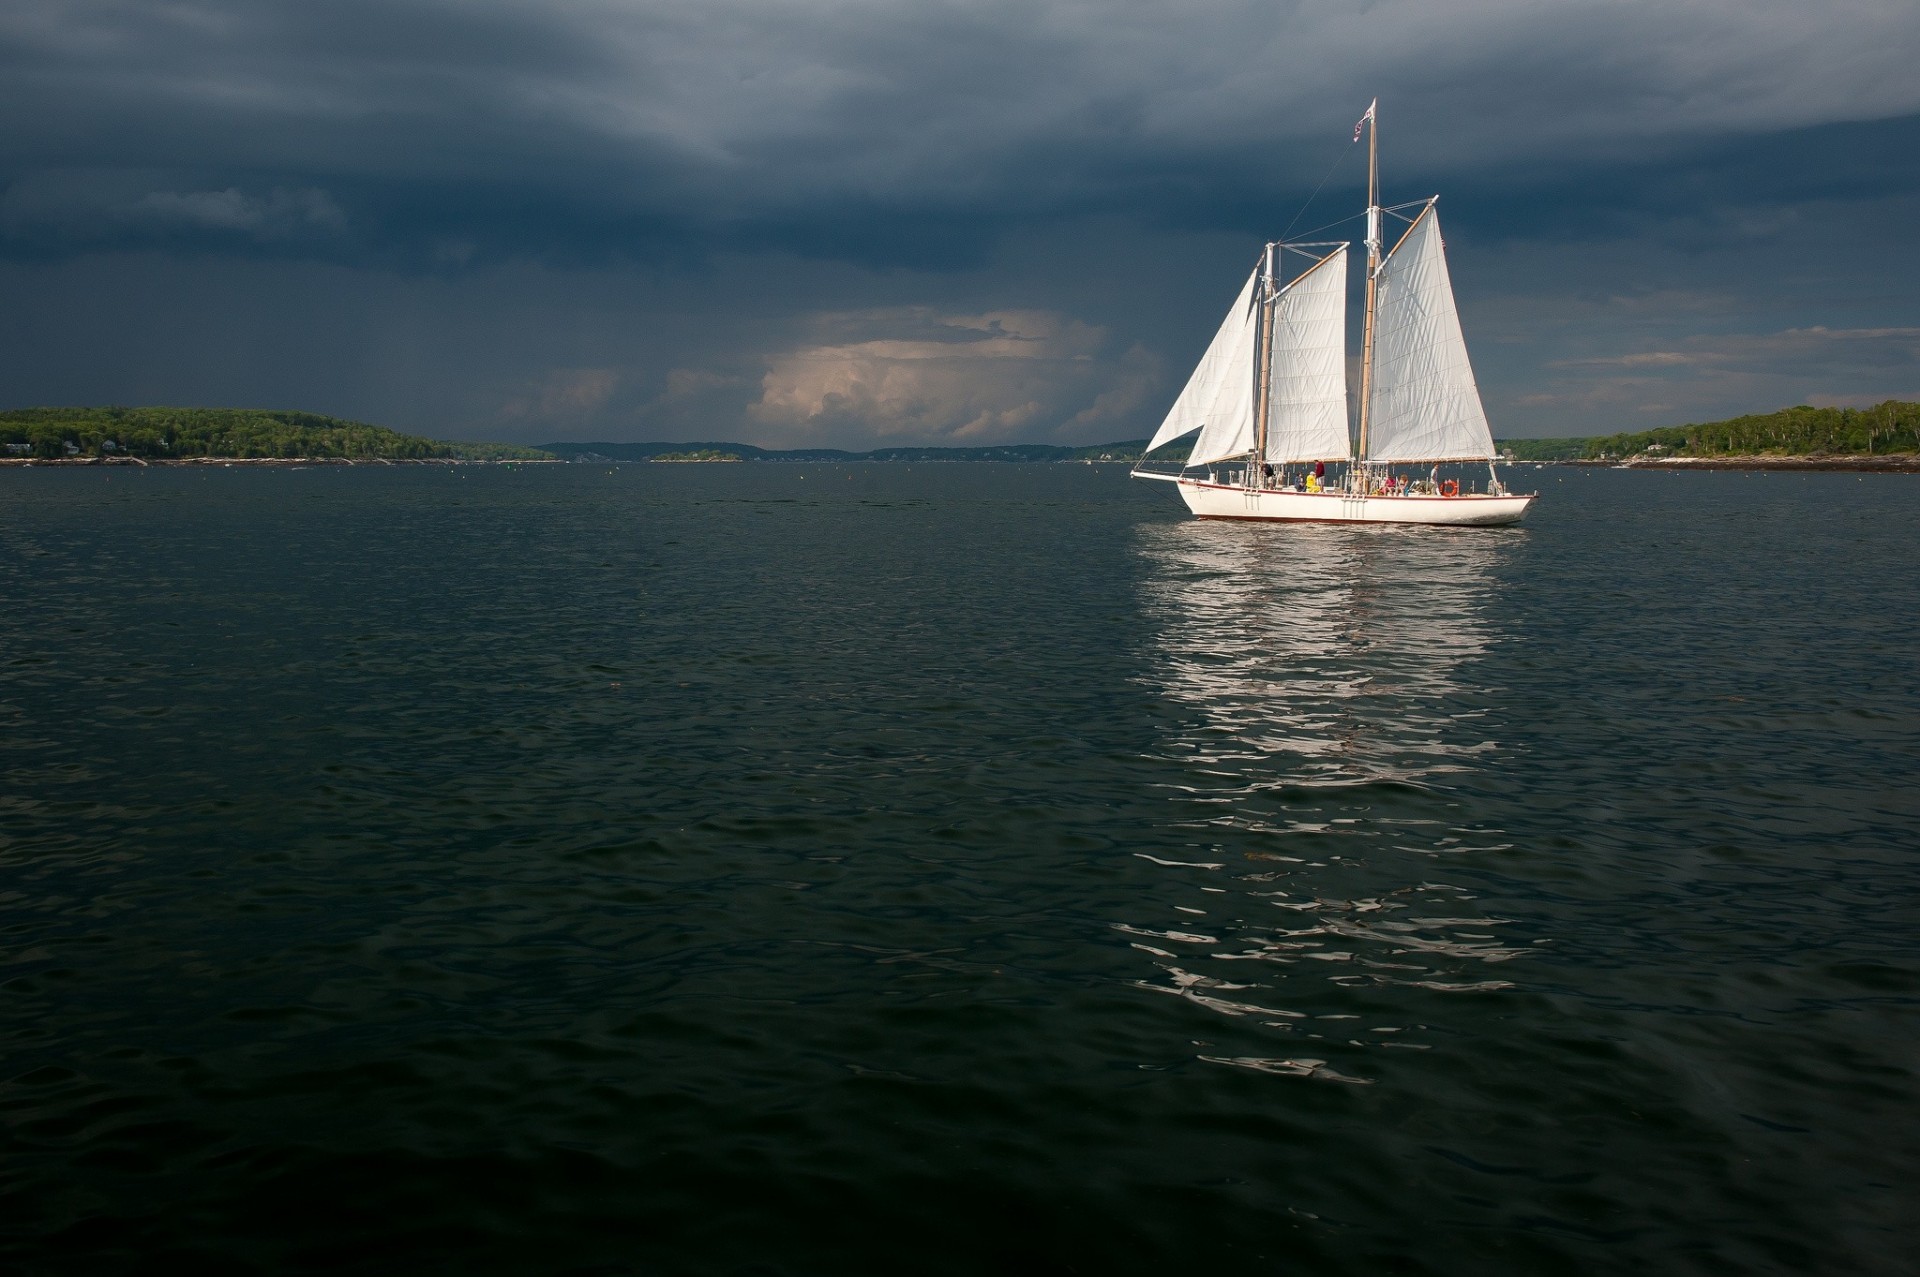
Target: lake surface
[(953, 869)]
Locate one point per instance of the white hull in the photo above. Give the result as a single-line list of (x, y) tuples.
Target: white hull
[(1230, 501)]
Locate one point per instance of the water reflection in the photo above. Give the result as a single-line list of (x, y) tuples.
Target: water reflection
[(1327, 681)]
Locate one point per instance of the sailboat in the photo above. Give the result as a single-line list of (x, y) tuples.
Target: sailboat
[(1269, 397)]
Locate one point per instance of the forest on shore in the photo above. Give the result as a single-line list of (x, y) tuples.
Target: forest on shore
[(187, 434), (1889, 428), (180, 434)]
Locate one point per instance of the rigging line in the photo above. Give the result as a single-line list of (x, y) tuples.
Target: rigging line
[(1316, 190), (1352, 217)]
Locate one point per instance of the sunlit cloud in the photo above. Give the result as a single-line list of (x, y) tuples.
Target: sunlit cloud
[(967, 379)]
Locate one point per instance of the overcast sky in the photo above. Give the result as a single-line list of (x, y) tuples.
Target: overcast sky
[(867, 222)]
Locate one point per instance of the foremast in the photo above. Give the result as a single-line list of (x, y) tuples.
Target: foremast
[(1372, 120), (1263, 374)]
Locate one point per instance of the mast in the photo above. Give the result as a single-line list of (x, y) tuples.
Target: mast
[(1263, 376), (1372, 121)]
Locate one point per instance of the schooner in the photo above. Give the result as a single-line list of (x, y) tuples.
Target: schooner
[(1271, 389)]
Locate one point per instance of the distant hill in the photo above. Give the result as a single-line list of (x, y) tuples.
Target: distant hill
[(1127, 451), (183, 433), (1891, 427)]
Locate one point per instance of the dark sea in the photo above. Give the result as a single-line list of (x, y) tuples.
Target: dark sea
[(899, 869)]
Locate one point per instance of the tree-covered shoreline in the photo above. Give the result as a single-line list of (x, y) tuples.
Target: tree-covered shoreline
[(237, 434), (1888, 429), (160, 434)]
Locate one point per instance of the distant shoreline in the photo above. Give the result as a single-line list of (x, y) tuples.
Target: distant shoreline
[(1892, 463), (278, 461), (1901, 463)]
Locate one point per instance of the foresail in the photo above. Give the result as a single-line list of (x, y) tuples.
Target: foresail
[(1307, 404), (1423, 405), (1227, 416), (1229, 428), (1225, 364)]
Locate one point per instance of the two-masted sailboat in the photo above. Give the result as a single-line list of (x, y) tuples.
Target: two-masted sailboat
[(1269, 397)]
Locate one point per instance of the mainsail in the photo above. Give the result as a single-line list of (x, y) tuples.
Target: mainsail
[(1219, 395), (1424, 405), (1307, 402)]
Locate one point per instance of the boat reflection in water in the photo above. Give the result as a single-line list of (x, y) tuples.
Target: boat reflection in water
[(1326, 678)]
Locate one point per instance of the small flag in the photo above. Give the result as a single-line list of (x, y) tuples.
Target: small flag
[(1363, 119)]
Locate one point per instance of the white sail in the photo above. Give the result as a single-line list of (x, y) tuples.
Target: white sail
[(1424, 405), (1228, 414), (1307, 401), (1225, 371)]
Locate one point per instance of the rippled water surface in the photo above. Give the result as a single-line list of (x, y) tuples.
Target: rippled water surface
[(884, 869)]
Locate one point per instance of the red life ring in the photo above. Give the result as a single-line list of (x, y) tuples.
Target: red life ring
[(1449, 487)]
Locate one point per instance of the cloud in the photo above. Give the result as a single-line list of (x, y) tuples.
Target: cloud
[(280, 213), (691, 399), (1130, 388), (563, 124), (780, 217), (1726, 374), (1644, 359), (1817, 346), (684, 383), (95, 207), (564, 395), (960, 379)]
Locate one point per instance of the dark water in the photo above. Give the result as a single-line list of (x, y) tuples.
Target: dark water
[(882, 869)]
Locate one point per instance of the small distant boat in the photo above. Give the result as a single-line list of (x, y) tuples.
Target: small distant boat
[(1271, 390)]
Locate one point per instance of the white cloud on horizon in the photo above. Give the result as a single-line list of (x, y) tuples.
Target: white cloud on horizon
[(1001, 376)]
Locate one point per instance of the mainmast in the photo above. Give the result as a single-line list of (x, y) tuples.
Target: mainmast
[(1372, 121), (1263, 376)]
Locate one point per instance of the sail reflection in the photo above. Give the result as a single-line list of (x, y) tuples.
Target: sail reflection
[(1321, 654), (1325, 678)]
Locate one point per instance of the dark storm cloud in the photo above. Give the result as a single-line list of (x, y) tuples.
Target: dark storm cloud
[(871, 164), (548, 126)]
